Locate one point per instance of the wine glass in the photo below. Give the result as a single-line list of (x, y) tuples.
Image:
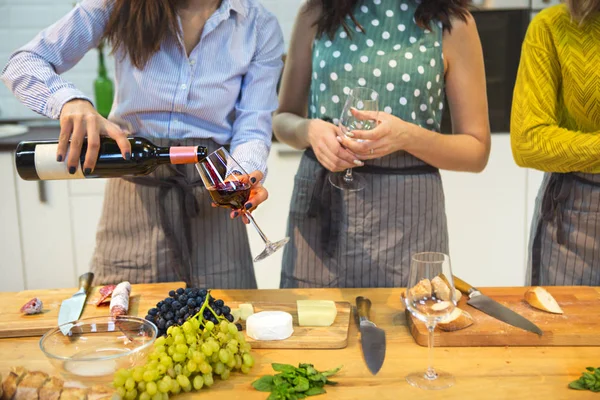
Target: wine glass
[(430, 298), (229, 185), (362, 99)]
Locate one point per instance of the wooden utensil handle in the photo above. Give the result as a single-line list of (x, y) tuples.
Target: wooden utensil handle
[(85, 281), (363, 306), (462, 285)]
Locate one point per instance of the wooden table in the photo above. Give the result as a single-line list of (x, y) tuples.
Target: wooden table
[(481, 372)]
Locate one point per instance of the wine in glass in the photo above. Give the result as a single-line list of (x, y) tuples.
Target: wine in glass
[(425, 299), (229, 186), (362, 99)]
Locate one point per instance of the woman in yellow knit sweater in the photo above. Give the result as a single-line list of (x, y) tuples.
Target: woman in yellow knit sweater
[(555, 127)]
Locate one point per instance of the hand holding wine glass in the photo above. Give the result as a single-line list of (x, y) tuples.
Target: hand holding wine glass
[(430, 307), (230, 186), (362, 99)]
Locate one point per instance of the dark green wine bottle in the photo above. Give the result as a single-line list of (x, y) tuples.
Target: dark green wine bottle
[(103, 86)]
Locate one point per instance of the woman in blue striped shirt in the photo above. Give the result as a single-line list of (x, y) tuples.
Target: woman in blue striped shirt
[(188, 72)]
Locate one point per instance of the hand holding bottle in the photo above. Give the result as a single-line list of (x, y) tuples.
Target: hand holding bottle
[(78, 120)]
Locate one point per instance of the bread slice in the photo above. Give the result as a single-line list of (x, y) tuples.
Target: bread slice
[(421, 290), (457, 295), (457, 320), (51, 389), (539, 298), (71, 393), (9, 386), (440, 288), (29, 387), (99, 392)]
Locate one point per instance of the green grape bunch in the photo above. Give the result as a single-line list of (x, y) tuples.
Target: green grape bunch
[(188, 358)]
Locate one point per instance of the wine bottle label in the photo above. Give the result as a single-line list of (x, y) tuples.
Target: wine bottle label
[(183, 154), (48, 168)]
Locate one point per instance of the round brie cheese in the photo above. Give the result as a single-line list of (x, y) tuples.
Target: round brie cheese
[(269, 325)]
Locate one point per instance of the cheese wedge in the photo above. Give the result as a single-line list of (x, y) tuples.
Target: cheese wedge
[(316, 312)]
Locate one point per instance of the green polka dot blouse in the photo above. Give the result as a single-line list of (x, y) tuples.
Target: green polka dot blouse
[(394, 56)]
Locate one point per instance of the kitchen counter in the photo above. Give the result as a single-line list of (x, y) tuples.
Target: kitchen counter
[(44, 132), (481, 372)]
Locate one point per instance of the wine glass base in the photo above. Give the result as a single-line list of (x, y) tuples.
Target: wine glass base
[(357, 183), (271, 248), (442, 380)]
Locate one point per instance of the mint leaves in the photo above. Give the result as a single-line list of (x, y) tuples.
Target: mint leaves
[(588, 381), (293, 383)]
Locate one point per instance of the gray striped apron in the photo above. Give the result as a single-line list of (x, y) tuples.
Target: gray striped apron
[(162, 228), (365, 238), (564, 241)]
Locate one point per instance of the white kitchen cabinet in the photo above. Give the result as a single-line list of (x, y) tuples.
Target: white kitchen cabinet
[(487, 219), (11, 261), (46, 234), (87, 197), (272, 215)]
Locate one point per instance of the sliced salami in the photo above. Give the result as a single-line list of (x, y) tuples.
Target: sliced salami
[(105, 293), (119, 303)]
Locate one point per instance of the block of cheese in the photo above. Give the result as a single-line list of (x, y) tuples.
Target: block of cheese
[(269, 325), (316, 312), (246, 310)]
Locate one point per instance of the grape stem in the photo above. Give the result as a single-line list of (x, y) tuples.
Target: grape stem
[(200, 314)]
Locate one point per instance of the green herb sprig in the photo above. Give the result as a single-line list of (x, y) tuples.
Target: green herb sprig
[(589, 380), (293, 383)]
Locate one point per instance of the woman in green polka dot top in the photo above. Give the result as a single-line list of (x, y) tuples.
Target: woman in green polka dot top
[(412, 53)]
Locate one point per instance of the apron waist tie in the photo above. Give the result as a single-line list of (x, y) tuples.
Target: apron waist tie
[(330, 211), (189, 209)]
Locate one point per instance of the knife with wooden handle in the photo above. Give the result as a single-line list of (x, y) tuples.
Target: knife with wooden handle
[(494, 309)]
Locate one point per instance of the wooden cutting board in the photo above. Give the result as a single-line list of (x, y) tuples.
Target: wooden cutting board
[(15, 324), (306, 337), (578, 326)]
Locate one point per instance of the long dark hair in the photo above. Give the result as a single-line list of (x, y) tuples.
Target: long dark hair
[(334, 13), (138, 27)]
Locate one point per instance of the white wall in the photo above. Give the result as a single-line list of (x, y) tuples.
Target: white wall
[(21, 20)]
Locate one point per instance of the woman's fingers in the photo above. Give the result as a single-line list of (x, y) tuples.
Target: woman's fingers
[(79, 131), (120, 136), (93, 145)]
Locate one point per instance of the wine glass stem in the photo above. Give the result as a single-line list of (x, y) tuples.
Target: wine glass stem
[(348, 175), (430, 374), (253, 222)]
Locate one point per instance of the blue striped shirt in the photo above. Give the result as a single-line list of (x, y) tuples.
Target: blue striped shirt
[(225, 90)]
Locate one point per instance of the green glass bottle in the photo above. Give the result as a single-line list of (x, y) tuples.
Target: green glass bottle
[(103, 86)]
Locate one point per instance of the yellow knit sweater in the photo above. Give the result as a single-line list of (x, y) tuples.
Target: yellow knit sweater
[(555, 120)]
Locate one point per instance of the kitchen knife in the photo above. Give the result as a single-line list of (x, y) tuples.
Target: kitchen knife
[(70, 309), (493, 308), (372, 338)]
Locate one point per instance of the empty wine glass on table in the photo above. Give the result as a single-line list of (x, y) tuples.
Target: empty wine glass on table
[(362, 99), (229, 186), (430, 297)]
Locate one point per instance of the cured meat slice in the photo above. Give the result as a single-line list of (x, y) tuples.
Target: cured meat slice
[(105, 293), (33, 306)]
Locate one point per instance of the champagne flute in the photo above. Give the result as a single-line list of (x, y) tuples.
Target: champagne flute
[(229, 185), (430, 307), (362, 99)]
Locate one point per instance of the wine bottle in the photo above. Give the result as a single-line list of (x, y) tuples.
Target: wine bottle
[(103, 86), (36, 160)]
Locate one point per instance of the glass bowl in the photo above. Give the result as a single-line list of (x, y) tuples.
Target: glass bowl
[(95, 348)]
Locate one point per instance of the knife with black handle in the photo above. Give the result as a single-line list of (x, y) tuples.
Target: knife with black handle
[(372, 338)]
